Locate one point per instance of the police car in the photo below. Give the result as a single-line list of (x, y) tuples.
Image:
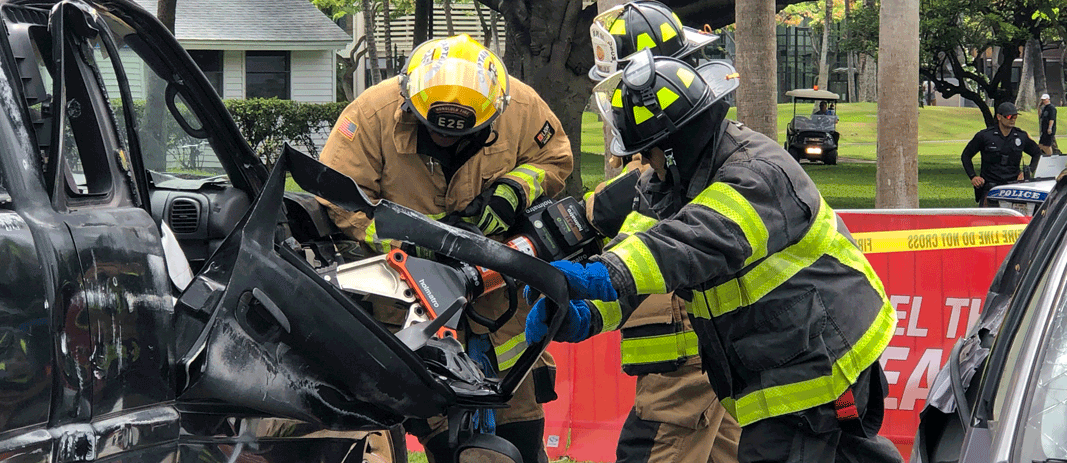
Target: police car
[(1027, 195)]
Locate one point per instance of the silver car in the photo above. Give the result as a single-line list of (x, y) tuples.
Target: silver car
[(1002, 397)]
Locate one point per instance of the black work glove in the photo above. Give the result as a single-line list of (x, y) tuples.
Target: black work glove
[(494, 210)]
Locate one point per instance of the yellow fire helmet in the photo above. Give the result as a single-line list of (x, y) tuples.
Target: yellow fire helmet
[(454, 85)]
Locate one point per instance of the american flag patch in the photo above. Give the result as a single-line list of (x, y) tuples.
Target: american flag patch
[(347, 127)]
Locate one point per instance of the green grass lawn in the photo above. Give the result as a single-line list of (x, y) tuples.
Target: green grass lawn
[(943, 132)]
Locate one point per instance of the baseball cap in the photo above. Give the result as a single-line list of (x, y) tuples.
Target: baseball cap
[(1044, 96), (1007, 108)]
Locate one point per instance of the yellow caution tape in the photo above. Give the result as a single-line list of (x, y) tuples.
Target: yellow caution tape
[(938, 238)]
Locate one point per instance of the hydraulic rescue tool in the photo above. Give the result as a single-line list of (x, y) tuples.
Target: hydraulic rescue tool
[(549, 230)]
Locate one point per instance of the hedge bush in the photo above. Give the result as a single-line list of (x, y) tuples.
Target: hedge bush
[(267, 123)]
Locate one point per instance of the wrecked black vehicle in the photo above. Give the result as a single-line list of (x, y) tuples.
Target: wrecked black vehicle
[(164, 300)]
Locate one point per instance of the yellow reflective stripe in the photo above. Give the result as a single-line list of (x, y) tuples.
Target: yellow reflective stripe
[(698, 307), (789, 398), (636, 222), (437, 216), (774, 270), (622, 174), (645, 41), (665, 97), (690, 343), (725, 200), (641, 114), (508, 194), (508, 353), (587, 195), (668, 31), (610, 314), (531, 177), (370, 236), (618, 27), (642, 265), (686, 76), (616, 98), (661, 348)]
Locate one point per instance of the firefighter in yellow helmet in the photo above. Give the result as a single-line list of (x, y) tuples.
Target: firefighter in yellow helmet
[(676, 416), (455, 136), (790, 317)]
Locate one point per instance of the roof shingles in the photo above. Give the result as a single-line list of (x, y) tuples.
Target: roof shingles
[(251, 20)]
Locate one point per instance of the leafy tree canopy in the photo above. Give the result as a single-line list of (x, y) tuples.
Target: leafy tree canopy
[(967, 46), (337, 9)]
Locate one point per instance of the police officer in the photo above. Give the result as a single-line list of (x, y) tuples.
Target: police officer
[(455, 136), (790, 316), (1002, 148), (1046, 127), (676, 416)]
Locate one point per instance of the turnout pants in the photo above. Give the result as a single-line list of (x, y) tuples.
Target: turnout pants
[(817, 435), (677, 418)]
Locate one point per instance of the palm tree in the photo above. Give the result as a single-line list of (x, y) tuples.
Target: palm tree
[(757, 62)]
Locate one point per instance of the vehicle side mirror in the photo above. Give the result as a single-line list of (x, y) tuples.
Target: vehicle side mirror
[(487, 448)]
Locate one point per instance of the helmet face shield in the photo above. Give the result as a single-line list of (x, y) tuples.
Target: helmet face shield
[(608, 98), (455, 86)]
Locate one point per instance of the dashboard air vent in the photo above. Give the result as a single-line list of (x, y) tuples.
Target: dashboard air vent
[(184, 216)]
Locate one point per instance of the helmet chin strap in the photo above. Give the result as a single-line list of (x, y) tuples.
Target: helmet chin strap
[(672, 171), (477, 140)]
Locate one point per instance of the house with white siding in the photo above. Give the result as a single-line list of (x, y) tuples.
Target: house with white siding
[(259, 48)]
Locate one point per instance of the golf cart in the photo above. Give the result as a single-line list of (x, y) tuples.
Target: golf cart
[(813, 137)]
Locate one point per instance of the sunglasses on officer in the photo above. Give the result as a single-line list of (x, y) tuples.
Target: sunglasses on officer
[(1010, 117)]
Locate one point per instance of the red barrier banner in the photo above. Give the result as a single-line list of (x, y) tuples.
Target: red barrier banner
[(936, 270)]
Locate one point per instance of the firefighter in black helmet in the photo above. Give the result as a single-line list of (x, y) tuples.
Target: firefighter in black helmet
[(644, 25), (675, 416), (790, 316)]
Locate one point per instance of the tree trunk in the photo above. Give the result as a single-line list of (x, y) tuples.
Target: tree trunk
[(1063, 70), (487, 33), (868, 72), (610, 170), (154, 154), (824, 56), (423, 12), (165, 12), (868, 78), (1026, 99), (390, 63), (541, 36), (1040, 82), (448, 18), (493, 18), (851, 56), (898, 130), (372, 45), (756, 43)]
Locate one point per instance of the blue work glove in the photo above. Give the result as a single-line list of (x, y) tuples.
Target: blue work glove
[(575, 323), (589, 281)]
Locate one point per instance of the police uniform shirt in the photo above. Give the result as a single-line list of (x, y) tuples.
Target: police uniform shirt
[(1000, 155)]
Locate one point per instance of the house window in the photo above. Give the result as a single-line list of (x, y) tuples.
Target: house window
[(267, 74), (210, 62)]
